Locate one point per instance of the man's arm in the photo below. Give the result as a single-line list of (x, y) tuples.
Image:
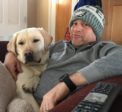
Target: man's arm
[(12, 64), (59, 92), (107, 66)]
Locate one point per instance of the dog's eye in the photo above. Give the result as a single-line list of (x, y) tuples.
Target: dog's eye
[(21, 43), (35, 40)]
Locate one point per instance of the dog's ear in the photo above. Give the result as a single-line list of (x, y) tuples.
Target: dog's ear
[(11, 46), (47, 38)]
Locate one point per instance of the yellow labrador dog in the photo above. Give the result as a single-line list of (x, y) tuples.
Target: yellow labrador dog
[(31, 48)]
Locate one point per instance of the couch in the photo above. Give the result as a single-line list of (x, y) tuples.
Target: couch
[(73, 99), (3, 50)]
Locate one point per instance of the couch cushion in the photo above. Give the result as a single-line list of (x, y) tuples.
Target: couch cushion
[(3, 50)]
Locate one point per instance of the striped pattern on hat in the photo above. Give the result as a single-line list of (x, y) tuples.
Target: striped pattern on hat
[(92, 16)]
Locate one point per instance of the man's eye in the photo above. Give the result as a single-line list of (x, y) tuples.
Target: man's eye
[(35, 40), (85, 24), (75, 23)]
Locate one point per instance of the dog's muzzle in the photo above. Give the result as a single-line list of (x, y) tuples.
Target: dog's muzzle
[(28, 57)]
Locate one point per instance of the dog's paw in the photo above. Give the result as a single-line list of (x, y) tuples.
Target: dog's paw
[(31, 86), (27, 89)]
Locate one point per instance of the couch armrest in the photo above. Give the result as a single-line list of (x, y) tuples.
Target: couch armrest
[(3, 50), (69, 103)]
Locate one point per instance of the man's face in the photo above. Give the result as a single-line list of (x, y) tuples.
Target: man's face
[(81, 33)]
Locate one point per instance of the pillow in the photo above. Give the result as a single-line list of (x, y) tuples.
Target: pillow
[(7, 88)]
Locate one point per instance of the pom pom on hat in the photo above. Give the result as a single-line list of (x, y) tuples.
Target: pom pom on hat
[(92, 16), (88, 2)]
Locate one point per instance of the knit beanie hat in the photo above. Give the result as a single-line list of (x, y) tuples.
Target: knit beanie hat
[(92, 16)]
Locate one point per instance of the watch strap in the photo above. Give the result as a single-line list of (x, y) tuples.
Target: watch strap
[(65, 78)]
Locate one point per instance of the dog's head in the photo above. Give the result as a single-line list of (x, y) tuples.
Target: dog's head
[(30, 44)]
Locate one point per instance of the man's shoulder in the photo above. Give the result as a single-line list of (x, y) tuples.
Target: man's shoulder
[(105, 45), (60, 43), (108, 43)]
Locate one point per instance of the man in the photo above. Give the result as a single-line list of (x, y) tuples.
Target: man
[(81, 61)]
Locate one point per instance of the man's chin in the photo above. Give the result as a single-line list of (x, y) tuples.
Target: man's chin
[(76, 43)]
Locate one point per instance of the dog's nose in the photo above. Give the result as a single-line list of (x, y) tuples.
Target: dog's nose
[(28, 56)]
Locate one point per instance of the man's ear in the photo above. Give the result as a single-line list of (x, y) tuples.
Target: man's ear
[(11, 46), (47, 38)]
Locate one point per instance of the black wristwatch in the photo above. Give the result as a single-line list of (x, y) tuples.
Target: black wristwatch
[(65, 78)]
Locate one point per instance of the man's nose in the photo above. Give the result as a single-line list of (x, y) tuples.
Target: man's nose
[(79, 27)]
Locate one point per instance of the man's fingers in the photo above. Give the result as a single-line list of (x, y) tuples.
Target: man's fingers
[(46, 106), (50, 106), (14, 74), (19, 69), (42, 108)]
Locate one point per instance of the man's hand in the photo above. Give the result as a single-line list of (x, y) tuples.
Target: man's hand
[(12, 64), (59, 92), (53, 96)]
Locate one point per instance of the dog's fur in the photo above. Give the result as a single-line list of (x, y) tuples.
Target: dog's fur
[(30, 46)]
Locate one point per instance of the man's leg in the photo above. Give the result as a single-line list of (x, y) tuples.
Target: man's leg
[(7, 88), (8, 93)]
